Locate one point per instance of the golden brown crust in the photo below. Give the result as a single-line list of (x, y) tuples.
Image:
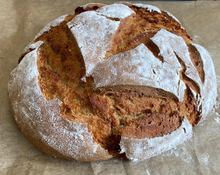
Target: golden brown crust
[(112, 112), (150, 125), (88, 7), (196, 59), (61, 68), (142, 26)]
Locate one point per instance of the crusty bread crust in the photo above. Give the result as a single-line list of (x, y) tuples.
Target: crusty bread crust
[(94, 84), (41, 121)]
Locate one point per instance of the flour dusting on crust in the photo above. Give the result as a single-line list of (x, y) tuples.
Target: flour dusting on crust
[(86, 5), (93, 34), (42, 119), (139, 66), (53, 23), (31, 46), (209, 88), (115, 11), (147, 148), (149, 7), (171, 15), (171, 45)]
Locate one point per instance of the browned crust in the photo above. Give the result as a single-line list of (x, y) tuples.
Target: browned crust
[(33, 137), (125, 111), (139, 28), (150, 125), (89, 7), (197, 61)]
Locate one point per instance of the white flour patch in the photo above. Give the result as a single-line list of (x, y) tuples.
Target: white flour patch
[(139, 66), (53, 23), (146, 148), (115, 11), (149, 7), (93, 34), (42, 117), (209, 88)]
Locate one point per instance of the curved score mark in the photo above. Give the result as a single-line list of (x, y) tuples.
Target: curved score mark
[(197, 61), (188, 81)]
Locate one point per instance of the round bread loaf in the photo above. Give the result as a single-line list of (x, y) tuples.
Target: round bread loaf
[(122, 79)]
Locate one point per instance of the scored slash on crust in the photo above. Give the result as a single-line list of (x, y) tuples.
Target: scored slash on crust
[(34, 112), (148, 148), (94, 32)]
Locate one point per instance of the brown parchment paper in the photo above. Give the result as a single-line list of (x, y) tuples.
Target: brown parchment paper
[(21, 20)]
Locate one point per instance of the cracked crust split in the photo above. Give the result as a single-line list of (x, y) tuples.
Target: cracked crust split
[(131, 75)]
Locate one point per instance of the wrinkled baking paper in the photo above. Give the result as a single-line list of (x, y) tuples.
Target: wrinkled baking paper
[(20, 21)]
